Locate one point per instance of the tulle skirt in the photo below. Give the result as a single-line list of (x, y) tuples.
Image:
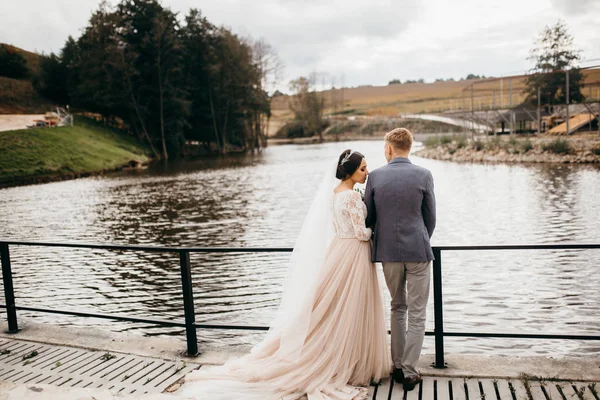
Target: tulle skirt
[(345, 350)]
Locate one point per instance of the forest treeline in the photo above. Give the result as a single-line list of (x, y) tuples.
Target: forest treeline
[(169, 79)]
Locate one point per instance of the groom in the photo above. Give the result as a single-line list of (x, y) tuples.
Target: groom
[(401, 210)]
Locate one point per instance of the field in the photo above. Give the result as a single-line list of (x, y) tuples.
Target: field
[(415, 98)]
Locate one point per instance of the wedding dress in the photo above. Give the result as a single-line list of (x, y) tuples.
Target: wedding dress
[(329, 340)]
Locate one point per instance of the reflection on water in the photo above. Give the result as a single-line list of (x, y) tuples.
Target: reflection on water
[(260, 200)]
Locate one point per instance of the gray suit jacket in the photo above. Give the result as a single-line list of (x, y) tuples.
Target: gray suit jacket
[(401, 210)]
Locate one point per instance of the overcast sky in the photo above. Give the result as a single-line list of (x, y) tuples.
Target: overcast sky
[(366, 42)]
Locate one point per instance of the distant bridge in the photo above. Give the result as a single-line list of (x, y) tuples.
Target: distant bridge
[(463, 123)]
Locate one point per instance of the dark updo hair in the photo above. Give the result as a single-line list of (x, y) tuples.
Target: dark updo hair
[(350, 166)]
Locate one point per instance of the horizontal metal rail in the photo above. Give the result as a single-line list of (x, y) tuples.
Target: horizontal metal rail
[(192, 326), (158, 249), (172, 249), (181, 324)]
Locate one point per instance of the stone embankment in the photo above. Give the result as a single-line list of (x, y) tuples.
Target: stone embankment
[(568, 150)]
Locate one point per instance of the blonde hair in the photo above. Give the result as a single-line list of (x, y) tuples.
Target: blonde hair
[(399, 139)]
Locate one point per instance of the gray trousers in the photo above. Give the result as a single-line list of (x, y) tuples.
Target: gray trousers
[(409, 287)]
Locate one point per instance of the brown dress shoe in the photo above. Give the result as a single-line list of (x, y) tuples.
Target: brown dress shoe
[(411, 382)]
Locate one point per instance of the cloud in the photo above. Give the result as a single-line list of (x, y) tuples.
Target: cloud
[(366, 41), (43, 26), (578, 7), (327, 36)]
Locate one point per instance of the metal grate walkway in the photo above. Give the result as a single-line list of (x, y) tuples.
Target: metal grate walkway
[(29, 362), (434, 388), (24, 362)]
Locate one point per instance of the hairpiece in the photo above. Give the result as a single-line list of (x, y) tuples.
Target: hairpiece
[(346, 158)]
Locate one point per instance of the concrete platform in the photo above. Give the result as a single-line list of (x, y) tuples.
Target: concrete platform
[(467, 377)]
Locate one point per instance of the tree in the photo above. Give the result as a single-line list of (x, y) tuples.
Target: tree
[(164, 41), (420, 80), (198, 47), (167, 81), (149, 35), (12, 63), (553, 53), (395, 82), (473, 76), (308, 105), (270, 70), (51, 81), (95, 82)]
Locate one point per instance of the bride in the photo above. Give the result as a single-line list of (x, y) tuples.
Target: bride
[(329, 338)]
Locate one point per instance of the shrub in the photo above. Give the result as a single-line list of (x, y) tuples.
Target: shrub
[(445, 140), (292, 129), (432, 141), (494, 143), (526, 146), (12, 63), (461, 141), (478, 145), (558, 146)]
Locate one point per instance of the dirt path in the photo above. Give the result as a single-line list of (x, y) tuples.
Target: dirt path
[(13, 122)]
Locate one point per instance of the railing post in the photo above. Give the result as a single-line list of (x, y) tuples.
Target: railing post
[(438, 307), (9, 291), (188, 303)]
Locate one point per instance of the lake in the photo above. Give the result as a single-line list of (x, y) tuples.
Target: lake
[(261, 200)]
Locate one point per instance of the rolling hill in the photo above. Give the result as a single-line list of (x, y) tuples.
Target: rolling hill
[(17, 96), (415, 98)]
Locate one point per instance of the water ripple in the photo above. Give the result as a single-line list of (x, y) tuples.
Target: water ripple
[(260, 200)]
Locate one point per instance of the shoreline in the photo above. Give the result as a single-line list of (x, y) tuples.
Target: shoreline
[(315, 140), (418, 137), (581, 149), (41, 179), (584, 149)]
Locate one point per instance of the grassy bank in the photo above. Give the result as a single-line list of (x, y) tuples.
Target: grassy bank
[(37, 155)]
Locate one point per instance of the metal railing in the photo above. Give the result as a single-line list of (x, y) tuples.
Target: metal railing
[(191, 325)]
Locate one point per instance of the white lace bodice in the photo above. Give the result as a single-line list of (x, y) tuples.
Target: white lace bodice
[(349, 214)]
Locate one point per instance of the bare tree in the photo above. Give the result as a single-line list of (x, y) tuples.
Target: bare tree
[(308, 105), (270, 68)]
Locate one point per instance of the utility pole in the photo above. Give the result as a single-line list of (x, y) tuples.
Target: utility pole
[(567, 92), (472, 113), (512, 113), (591, 116), (501, 93), (539, 117), (343, 86), (494, 108), (462, 113)]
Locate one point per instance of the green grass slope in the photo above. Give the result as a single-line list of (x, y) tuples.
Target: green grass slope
[(53, 153)]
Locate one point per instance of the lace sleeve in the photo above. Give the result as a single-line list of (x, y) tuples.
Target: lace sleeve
[(353, 206)]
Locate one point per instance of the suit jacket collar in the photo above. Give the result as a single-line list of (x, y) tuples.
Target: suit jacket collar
[(399, 160)]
